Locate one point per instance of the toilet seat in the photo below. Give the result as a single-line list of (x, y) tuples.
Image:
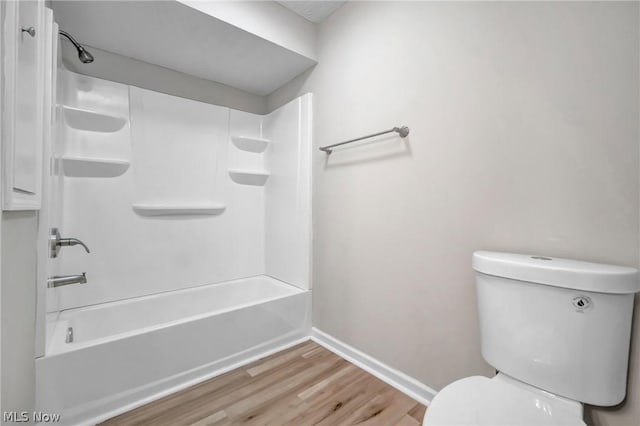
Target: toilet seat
[(500, 400)]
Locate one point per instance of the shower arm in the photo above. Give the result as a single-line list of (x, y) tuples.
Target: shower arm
[(83, 54), (71, 39)]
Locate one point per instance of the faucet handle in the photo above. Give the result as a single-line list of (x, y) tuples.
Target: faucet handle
[(55, 242), (72, 242)]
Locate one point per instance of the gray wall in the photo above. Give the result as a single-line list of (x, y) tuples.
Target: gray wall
[(110, 66), (524, 138), (18, 300)]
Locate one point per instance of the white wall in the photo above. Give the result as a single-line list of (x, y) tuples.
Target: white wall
[(266, 19), (114, 67), (524, 138), (18, 311), (288, 193)]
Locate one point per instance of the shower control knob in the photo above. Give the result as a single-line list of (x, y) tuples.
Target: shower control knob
[(55, 242), (31, 31)]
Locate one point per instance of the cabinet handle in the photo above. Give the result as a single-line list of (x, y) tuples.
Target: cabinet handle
[(31, 31)]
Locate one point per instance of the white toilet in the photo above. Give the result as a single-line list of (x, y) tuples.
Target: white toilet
[(558, 332)]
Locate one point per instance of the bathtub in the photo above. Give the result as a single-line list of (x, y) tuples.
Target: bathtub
[(127, 353)]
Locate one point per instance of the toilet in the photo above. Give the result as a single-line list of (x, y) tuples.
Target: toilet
[(557, 331)]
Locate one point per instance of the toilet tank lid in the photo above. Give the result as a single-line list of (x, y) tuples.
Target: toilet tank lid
[(553, 271)]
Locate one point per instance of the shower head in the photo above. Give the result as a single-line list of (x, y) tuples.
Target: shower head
[(83, 54)]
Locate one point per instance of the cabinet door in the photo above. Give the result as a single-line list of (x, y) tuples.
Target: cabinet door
[(23, 47), (28, 102)]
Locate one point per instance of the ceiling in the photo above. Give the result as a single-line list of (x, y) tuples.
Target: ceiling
[(314, 11), (175, 36)]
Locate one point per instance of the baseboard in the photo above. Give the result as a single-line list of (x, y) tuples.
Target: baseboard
[(399, 380)]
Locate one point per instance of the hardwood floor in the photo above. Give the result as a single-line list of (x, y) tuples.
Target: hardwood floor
[(303, 385)]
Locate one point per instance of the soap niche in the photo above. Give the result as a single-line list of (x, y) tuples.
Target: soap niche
[(247, 150), (93, 121), (247, 177), (95, 128)]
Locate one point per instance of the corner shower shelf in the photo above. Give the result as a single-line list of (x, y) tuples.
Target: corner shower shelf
[(251, 144), (149, 209), (245, 177), (83, 119), (93, 167)]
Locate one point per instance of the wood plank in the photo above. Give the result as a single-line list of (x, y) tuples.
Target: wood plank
[(194, 410), (278, 359), (273, 414), (185, 408), (408, 420), (146, 413), (313, 351), (227, 397), (303, 385), (317, 387), (275, 408), (417, 412), (215, 419), (330, 405), (352, 403), (339, 382), (282, 387), (386, 408)]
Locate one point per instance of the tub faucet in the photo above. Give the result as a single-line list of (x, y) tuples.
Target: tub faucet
[(59, 281)]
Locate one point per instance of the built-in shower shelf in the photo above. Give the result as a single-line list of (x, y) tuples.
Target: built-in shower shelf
[(83, 119), (246, 177), (93, 167), (153, 209), (251, 144)]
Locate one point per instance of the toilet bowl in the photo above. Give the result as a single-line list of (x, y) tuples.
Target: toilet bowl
[(558, 330), (500, 401)]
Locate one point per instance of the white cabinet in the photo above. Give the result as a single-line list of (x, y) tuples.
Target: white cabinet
[(26, 109)]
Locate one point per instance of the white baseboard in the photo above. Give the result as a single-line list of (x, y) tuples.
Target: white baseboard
[(404, 383)]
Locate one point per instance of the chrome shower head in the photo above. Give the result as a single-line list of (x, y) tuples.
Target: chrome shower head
[(83, 54)]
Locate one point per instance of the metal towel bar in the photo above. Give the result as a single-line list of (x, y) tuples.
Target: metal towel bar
[(402, 131)]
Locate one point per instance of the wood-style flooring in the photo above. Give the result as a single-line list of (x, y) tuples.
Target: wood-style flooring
[(303, 385)]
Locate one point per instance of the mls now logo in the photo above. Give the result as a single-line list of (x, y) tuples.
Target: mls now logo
[(15, 416), (23, 417)]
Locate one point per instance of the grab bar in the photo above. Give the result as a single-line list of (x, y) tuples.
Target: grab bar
[(402, 131)]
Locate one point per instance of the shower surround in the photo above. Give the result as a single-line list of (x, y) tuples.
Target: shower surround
[(198, 218)]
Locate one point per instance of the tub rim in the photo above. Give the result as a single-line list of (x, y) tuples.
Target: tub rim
[(57, 346)]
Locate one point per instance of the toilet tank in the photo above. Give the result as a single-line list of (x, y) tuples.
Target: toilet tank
[(561, 325)]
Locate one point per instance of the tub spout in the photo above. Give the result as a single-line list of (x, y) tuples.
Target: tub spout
[(59, 281)]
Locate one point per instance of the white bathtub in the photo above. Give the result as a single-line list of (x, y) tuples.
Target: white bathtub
[(129, 352)]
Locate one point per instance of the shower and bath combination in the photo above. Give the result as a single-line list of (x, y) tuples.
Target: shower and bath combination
[(195, 216), (83, 54), (145, 283), (55, 242)]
